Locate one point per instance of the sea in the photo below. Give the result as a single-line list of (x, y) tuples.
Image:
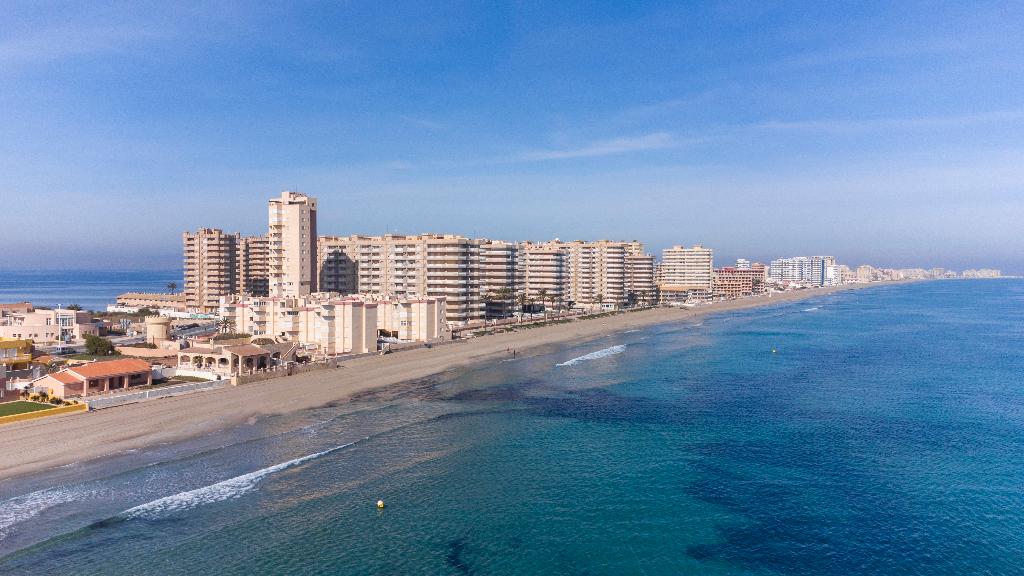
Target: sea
[(877, 431), (90, 289)]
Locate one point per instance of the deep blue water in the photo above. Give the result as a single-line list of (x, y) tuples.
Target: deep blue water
[(90, 289), (885, 435)]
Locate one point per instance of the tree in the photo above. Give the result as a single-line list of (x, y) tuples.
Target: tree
[(543, 293), (98, 346), (172, 287), (226, 325), (74, 307)]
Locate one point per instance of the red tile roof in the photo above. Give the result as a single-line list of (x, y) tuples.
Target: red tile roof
[(110, 368)]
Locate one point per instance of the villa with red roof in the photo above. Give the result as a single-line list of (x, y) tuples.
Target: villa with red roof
[(96, 378)]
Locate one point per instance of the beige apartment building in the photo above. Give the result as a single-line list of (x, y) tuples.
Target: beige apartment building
[(46, 326), (406, 267), (544, 272), (253, 259), (219, 264), (292, 240), (211, 269), (499, 277), (686, 273), (605, 273), (640, 285)]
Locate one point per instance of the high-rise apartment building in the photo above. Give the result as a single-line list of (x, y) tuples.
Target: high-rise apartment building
[(739, 282), (211, 269), (219, 264), (544, 272), (292, 240), (605, 272), (499, 277), (685, 273), (640, 286), (398, 266), (253, 266)]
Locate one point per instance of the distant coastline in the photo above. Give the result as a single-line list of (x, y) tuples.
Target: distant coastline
[(28, 447)]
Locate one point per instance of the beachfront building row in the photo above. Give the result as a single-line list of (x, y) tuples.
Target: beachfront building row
[(45, 326), (329, 324)]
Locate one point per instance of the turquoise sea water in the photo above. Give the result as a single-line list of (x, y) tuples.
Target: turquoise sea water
[(884, 436), (90, 289)]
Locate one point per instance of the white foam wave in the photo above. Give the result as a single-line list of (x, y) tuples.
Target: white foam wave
[(224, 490), (21, 508), (811, 309), (595, 355)]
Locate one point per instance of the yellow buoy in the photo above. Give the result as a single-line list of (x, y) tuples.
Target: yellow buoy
[(380, 503)]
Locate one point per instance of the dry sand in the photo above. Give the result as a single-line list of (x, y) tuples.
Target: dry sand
[(37, 445)]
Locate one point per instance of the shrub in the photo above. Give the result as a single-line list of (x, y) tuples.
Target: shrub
[(98, 346), (56, 401)]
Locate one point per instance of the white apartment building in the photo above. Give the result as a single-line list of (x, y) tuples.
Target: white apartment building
[(329, 323), (292, 239), (810, 270), (404, 267), (686, 273), (420, 320)]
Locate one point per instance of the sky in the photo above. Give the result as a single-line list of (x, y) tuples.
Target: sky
[(883, 133)]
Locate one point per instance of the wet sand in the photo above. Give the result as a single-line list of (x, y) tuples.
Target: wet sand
[(38, 445)]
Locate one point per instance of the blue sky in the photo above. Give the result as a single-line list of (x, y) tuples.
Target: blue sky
[(888, 133)]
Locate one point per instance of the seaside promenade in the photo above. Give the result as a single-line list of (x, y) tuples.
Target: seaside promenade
[(29, 447)]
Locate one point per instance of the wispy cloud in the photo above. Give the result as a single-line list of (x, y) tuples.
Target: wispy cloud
[(654, 141), (869, 124)]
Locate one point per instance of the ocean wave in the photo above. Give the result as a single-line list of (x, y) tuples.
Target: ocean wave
[(224, 490), (619, 349), (21, 508), (811, 309)]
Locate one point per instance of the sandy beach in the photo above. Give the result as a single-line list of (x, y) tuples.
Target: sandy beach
[(34, 446)]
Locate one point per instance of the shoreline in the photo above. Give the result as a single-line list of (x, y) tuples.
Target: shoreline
[(37, 446)]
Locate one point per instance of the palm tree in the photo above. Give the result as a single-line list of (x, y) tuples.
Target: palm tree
[(522, 299), (172, 287), (543, 293), (226, 325)]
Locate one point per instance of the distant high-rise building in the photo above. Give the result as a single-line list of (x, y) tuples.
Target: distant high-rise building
[(292, 240), (685, 273), (813, 270), (742, 264)]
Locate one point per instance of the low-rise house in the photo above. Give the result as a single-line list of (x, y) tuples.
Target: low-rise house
[(96, 378)]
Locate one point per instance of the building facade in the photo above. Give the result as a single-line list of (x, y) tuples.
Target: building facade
[(253, 260), (329, 323), (734, 282), (401, 267), (47, 326), (292, 245), (544, 273), (499, 277), (686, 273)]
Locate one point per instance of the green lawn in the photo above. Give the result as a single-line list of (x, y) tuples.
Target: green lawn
[(21, 407)]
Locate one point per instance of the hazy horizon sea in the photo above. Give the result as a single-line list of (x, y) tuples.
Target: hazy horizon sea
[(90, 289), (877, 431)]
